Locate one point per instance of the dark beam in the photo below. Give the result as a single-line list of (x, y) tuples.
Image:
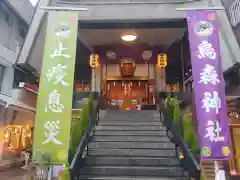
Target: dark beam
[(142, 25)]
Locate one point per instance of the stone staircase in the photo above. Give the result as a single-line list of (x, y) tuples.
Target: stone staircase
[(131, 145)]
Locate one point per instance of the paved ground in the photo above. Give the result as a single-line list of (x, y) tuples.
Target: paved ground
[(16, 174)]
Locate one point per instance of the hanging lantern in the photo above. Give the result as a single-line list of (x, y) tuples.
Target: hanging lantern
[(94, 61), (162, 60)]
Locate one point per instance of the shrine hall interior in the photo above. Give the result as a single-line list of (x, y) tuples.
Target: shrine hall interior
[(127, 68)]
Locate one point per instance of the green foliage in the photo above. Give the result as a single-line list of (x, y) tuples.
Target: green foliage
[(80, 125), (65, 175), (189, 134), (169, 105), (176, 112), (91, 102)]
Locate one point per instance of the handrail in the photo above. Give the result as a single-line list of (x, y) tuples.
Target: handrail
[(76, 162), (191, 164)]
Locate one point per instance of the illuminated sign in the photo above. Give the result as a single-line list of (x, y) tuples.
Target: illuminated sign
[(162, 60), (94, 61)]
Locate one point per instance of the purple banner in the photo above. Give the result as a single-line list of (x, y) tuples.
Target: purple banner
[(209, 85)]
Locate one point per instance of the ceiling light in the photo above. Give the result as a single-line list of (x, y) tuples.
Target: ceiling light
[(129, 37)]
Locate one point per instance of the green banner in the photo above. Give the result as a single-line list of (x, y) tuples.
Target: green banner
[(54, 106)]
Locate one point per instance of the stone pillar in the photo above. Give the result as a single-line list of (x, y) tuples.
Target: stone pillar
[(93, 81), (160, 82), (96, 80), (160, 79), (162, 76)]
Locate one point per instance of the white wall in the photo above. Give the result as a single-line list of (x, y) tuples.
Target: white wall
[(113, 70), (141, 70), (96, 80), (152, 71)]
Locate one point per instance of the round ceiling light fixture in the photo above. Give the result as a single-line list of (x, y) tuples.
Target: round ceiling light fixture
[(129, 37)]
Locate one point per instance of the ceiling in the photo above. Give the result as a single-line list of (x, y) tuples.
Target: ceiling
[(158, 36)]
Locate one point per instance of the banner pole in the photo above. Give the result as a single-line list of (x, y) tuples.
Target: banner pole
[(56, 8), (201, 8)]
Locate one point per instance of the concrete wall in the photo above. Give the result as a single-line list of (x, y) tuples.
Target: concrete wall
[(133, 11), (11, 39), (12, 24), (227, 3), (23, 8), (233, 10), (7, 82), (13, 30), (15, 17)]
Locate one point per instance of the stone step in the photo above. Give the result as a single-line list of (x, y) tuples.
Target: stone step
[(130, 112), (119, 116), (131, 161), (132, 171), (139, 128), (131, 119), (132, 152), (131, 133), (130, 123), (131, 145), (129, 115), (131, 138), (90, 177)]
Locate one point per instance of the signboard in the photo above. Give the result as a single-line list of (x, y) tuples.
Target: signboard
[(54, 105), (127, 67), (209, 85)]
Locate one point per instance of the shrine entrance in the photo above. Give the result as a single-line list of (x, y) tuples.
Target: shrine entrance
[(130, 67), (123, 86), (127, 92)]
